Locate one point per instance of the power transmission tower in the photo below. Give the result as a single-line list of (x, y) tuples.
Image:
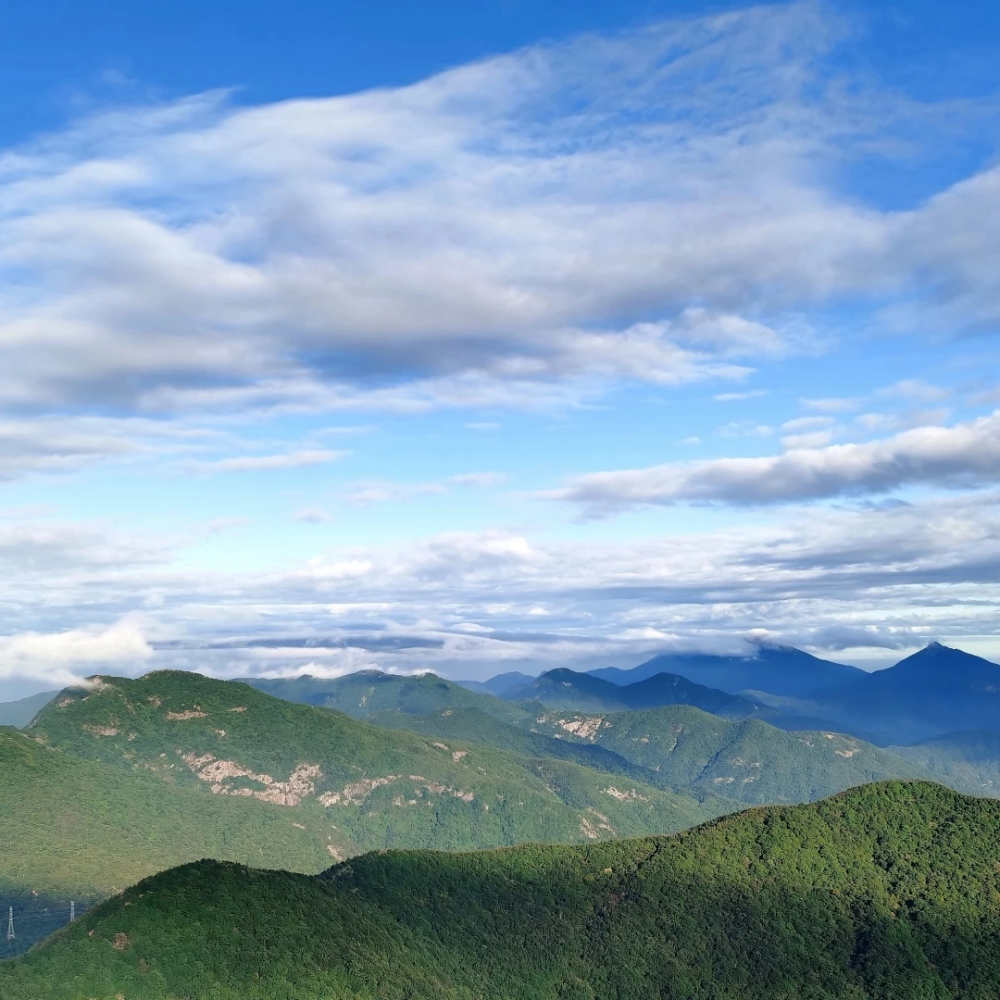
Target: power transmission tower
[(10, 923)]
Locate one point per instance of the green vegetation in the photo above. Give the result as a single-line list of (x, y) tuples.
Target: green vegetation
[(673, 747), (73, 829), (681, 748), (569, 690), (967, 761), (374, 787), (366, 693), (887, 892), (749, 761)]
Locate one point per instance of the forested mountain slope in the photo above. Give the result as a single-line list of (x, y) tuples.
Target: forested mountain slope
[(365, 693), (371, 787), (747, 760), (684, 749), (81, 830), (887, 892), (567, 689)]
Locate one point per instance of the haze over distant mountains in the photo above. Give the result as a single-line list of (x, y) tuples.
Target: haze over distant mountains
[(780, 670)]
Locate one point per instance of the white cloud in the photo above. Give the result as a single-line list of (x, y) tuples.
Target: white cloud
[(876, 577), (962, 455), (478, 479), (270, 463), (744, 429), (365, 494), (914, 390), (61, 658), (313, 515), (735, 397), (833, 404), (507, 223)]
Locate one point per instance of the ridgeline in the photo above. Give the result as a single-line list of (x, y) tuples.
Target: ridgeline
[(886, 892)]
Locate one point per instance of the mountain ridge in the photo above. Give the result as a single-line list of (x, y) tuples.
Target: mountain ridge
[(882, 892)]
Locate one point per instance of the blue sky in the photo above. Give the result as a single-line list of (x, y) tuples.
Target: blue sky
[(500, 336)]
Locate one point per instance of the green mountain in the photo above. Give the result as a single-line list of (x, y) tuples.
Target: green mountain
[(366, 693), (748, 760), (371, 787), (567, 689), (19, 713), (674, 747), (968, 761), (887, 892), (500, 684), (80, 830)]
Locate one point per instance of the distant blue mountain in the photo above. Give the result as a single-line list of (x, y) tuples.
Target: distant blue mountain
[(567, 689), (937, 690), (19, 713), (778, 670), (498, 685)]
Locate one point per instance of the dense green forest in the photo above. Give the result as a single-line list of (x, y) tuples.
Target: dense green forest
[(78, 830), (84, 812), (886, 892), (676, 746)]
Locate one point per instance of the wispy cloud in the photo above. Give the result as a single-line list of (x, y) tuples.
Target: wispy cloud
[(962, 455), (271, 463), (313, 515), (513, 221), (366, 493)]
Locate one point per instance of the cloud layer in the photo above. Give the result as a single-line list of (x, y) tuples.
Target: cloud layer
[(650, 206), (478, 602), (960, 456)]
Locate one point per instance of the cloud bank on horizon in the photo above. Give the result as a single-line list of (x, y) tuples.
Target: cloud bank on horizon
[(294, 386)]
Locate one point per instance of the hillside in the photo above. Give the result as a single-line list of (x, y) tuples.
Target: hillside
[(368, 692), (79, 830), (471, 725), (747, 760), (500, 684), (373, 787), (888, 892), (780, 670), (567, 689), (968, 761)]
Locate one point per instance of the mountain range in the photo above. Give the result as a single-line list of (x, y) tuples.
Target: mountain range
[(935, 691), (777, 669), (296, 773), (884, 892)]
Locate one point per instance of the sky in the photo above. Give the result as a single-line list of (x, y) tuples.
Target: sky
[(497, 336)]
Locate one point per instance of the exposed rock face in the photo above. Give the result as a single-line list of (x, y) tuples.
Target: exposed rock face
[(102, 730), (191, 713), (626, 796), (585, 728), (354, 793), (299, 785)]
